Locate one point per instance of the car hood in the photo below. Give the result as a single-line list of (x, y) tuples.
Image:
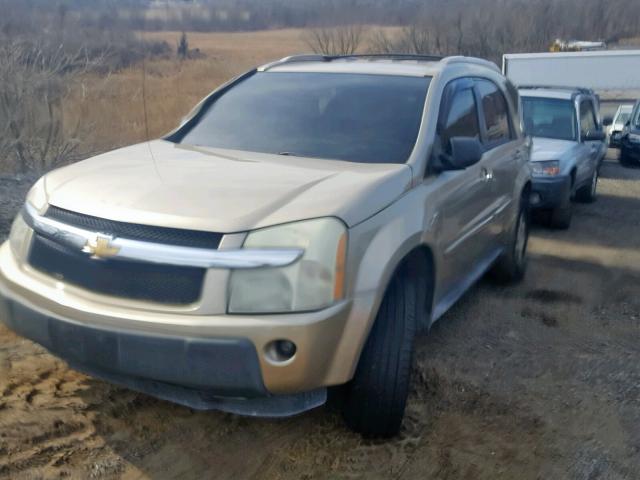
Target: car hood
[(549, 148), (161, 183)]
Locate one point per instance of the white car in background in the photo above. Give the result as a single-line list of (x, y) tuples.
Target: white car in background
[(614, 130)]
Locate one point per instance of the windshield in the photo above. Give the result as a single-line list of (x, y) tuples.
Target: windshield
[(549, 118), (352, 117)]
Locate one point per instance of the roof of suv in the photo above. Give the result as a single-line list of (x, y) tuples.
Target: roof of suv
[(562, 93), (381, 64)]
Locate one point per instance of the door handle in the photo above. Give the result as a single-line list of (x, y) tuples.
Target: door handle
[(487, 175)]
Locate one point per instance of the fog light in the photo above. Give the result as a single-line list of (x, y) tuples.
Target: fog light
[(281, 351), (286, 348)]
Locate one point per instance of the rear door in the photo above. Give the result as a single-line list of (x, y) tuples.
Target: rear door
[(503, 152), (593, 151)]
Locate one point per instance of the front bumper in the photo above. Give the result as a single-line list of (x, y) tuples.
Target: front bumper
[(220, 374), (550, 192), (203, 361)]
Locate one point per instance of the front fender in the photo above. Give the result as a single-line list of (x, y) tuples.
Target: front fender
[(377, 247)]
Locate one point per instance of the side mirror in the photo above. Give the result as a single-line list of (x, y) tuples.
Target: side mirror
[(627, 123), (465, 151), (594, 136), (606, 121)]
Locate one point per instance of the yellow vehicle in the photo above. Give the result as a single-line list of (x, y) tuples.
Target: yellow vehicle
[(576, 46)]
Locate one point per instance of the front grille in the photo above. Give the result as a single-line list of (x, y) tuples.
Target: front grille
[(134, 231), (166, 284)]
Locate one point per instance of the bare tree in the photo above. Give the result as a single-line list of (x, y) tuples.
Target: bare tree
[(183, 47), (33, 85), (343, 40)]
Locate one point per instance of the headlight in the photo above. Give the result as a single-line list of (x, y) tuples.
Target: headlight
[(20, 231), (634, 138), (19, 235), (550, 168), (37, 196), (315, 281)]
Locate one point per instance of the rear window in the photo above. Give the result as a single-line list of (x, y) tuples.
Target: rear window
[(352, 117), (549, 118)]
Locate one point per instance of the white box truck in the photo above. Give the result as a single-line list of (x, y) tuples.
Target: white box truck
[(611, 73)]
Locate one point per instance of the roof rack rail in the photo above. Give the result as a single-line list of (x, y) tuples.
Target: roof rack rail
[(392, 56), (315, 57), (584, 90), (473, 60), (305, 57)]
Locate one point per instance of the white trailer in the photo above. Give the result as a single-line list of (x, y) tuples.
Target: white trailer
[(612, 73)]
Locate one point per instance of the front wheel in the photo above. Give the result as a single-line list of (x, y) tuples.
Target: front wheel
[(511, 265), (376, 398), (560, 216), (588, 193)]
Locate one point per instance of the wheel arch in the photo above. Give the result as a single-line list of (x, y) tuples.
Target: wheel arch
[(419, 267), (573, 173), (418, 264)]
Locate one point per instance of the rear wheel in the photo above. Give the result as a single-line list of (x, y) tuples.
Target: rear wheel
[(375, 400), (511, 266)]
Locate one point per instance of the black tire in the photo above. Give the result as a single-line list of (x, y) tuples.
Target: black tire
[(560, 216), (512, 265), (588, 193), (375, 400), (623, 159)]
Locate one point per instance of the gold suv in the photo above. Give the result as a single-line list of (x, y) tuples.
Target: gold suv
[(293, 234)]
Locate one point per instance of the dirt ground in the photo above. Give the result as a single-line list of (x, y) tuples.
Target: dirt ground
[(537, 381)]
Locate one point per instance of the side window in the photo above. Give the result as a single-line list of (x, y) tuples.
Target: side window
[(462, 118), (587, 117), (495, 111)]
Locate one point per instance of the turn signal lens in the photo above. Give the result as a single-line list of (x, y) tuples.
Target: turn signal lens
[(546, 169)]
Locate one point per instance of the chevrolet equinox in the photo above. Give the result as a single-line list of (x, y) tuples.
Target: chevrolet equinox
[(296, 231)]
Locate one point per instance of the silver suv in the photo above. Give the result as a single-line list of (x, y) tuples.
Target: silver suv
[(293, 234), (568, 148)]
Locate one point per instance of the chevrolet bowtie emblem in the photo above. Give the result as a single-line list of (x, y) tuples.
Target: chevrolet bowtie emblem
[(100, 247)]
